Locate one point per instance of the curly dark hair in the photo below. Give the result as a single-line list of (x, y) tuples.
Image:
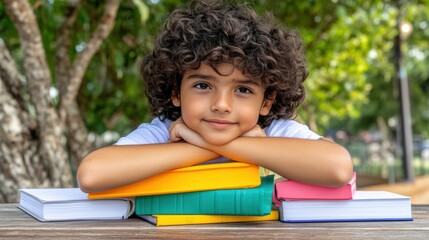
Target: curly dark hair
[(216, 32)]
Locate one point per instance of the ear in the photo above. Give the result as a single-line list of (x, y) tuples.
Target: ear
[(175, 98), (267, 104)]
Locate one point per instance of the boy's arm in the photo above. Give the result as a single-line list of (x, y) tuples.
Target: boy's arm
[(319, 162), (116, 166)]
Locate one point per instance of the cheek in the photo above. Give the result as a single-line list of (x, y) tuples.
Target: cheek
[(191, 111), (252, 111), (249, 117)]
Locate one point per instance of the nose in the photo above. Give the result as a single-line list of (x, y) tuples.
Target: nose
[(222, 102)]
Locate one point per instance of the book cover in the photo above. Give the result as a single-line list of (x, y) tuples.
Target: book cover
[(241, 201), (66, 204), (173, 220), (189, 179), (365, 206), (292, 190)]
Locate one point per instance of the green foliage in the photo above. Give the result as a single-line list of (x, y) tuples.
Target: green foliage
[(383, 100), (112, 93), (348, 44), (350, 53)]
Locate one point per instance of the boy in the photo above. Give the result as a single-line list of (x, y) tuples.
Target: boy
[(222, 84)]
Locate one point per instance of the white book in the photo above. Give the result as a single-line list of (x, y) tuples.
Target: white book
[(66, 204), (365, 206)]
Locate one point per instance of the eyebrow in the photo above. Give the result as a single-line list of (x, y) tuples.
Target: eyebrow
[(210, 77), (247, 81), (200, 76)]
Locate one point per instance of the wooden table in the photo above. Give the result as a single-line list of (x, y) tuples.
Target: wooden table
[(15, 224)]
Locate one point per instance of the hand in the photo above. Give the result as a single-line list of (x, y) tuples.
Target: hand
[(179, 131), (175, 129), (256, 131)]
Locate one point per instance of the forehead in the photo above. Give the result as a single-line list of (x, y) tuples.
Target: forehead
[(221, 70)]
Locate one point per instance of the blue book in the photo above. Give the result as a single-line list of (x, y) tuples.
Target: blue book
[(241, 201), (365, 206)]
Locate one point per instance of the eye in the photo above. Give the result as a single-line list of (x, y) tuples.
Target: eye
[(244, 90), (201, 86)]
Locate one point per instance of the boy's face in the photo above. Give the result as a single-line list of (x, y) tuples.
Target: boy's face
[(220, 107)]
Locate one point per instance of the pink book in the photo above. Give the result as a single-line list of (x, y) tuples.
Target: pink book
[(291, 190)]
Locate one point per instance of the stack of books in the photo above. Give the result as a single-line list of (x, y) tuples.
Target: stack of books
[(298, 202), (217, 193), (209, 193)]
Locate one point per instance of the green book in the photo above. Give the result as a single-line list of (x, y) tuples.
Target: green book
[(242, 201)]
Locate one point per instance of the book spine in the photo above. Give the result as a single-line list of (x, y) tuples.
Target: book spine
[(172, 220), (291, 190), (234, 175), (243, 201)]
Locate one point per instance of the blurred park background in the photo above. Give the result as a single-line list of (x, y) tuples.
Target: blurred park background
[(70, 83)]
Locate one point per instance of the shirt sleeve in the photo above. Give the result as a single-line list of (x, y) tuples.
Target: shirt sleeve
[(291, 129), (147, 133)]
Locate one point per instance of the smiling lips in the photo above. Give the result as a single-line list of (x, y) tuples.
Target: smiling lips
[(219, 124)]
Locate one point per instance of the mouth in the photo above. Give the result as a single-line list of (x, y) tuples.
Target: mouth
[(219, 123)]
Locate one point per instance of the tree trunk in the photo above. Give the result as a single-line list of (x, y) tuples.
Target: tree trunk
[(20, 162), (37, 138), (52, 157)]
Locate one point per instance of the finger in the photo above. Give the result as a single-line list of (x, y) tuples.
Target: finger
[(174, 138)]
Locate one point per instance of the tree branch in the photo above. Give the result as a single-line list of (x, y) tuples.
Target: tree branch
[(83, 59), (12, 79), (12, 88), (70, 78), (62, 46), (76, 133), (39, 80)]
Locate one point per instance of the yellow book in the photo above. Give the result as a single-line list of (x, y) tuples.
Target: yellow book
[(190, 179), (173, 220)]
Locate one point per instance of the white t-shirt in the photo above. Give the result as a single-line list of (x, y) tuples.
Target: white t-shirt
[(157, 132)]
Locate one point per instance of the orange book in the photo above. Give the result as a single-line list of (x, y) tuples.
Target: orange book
[(190, 179)]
